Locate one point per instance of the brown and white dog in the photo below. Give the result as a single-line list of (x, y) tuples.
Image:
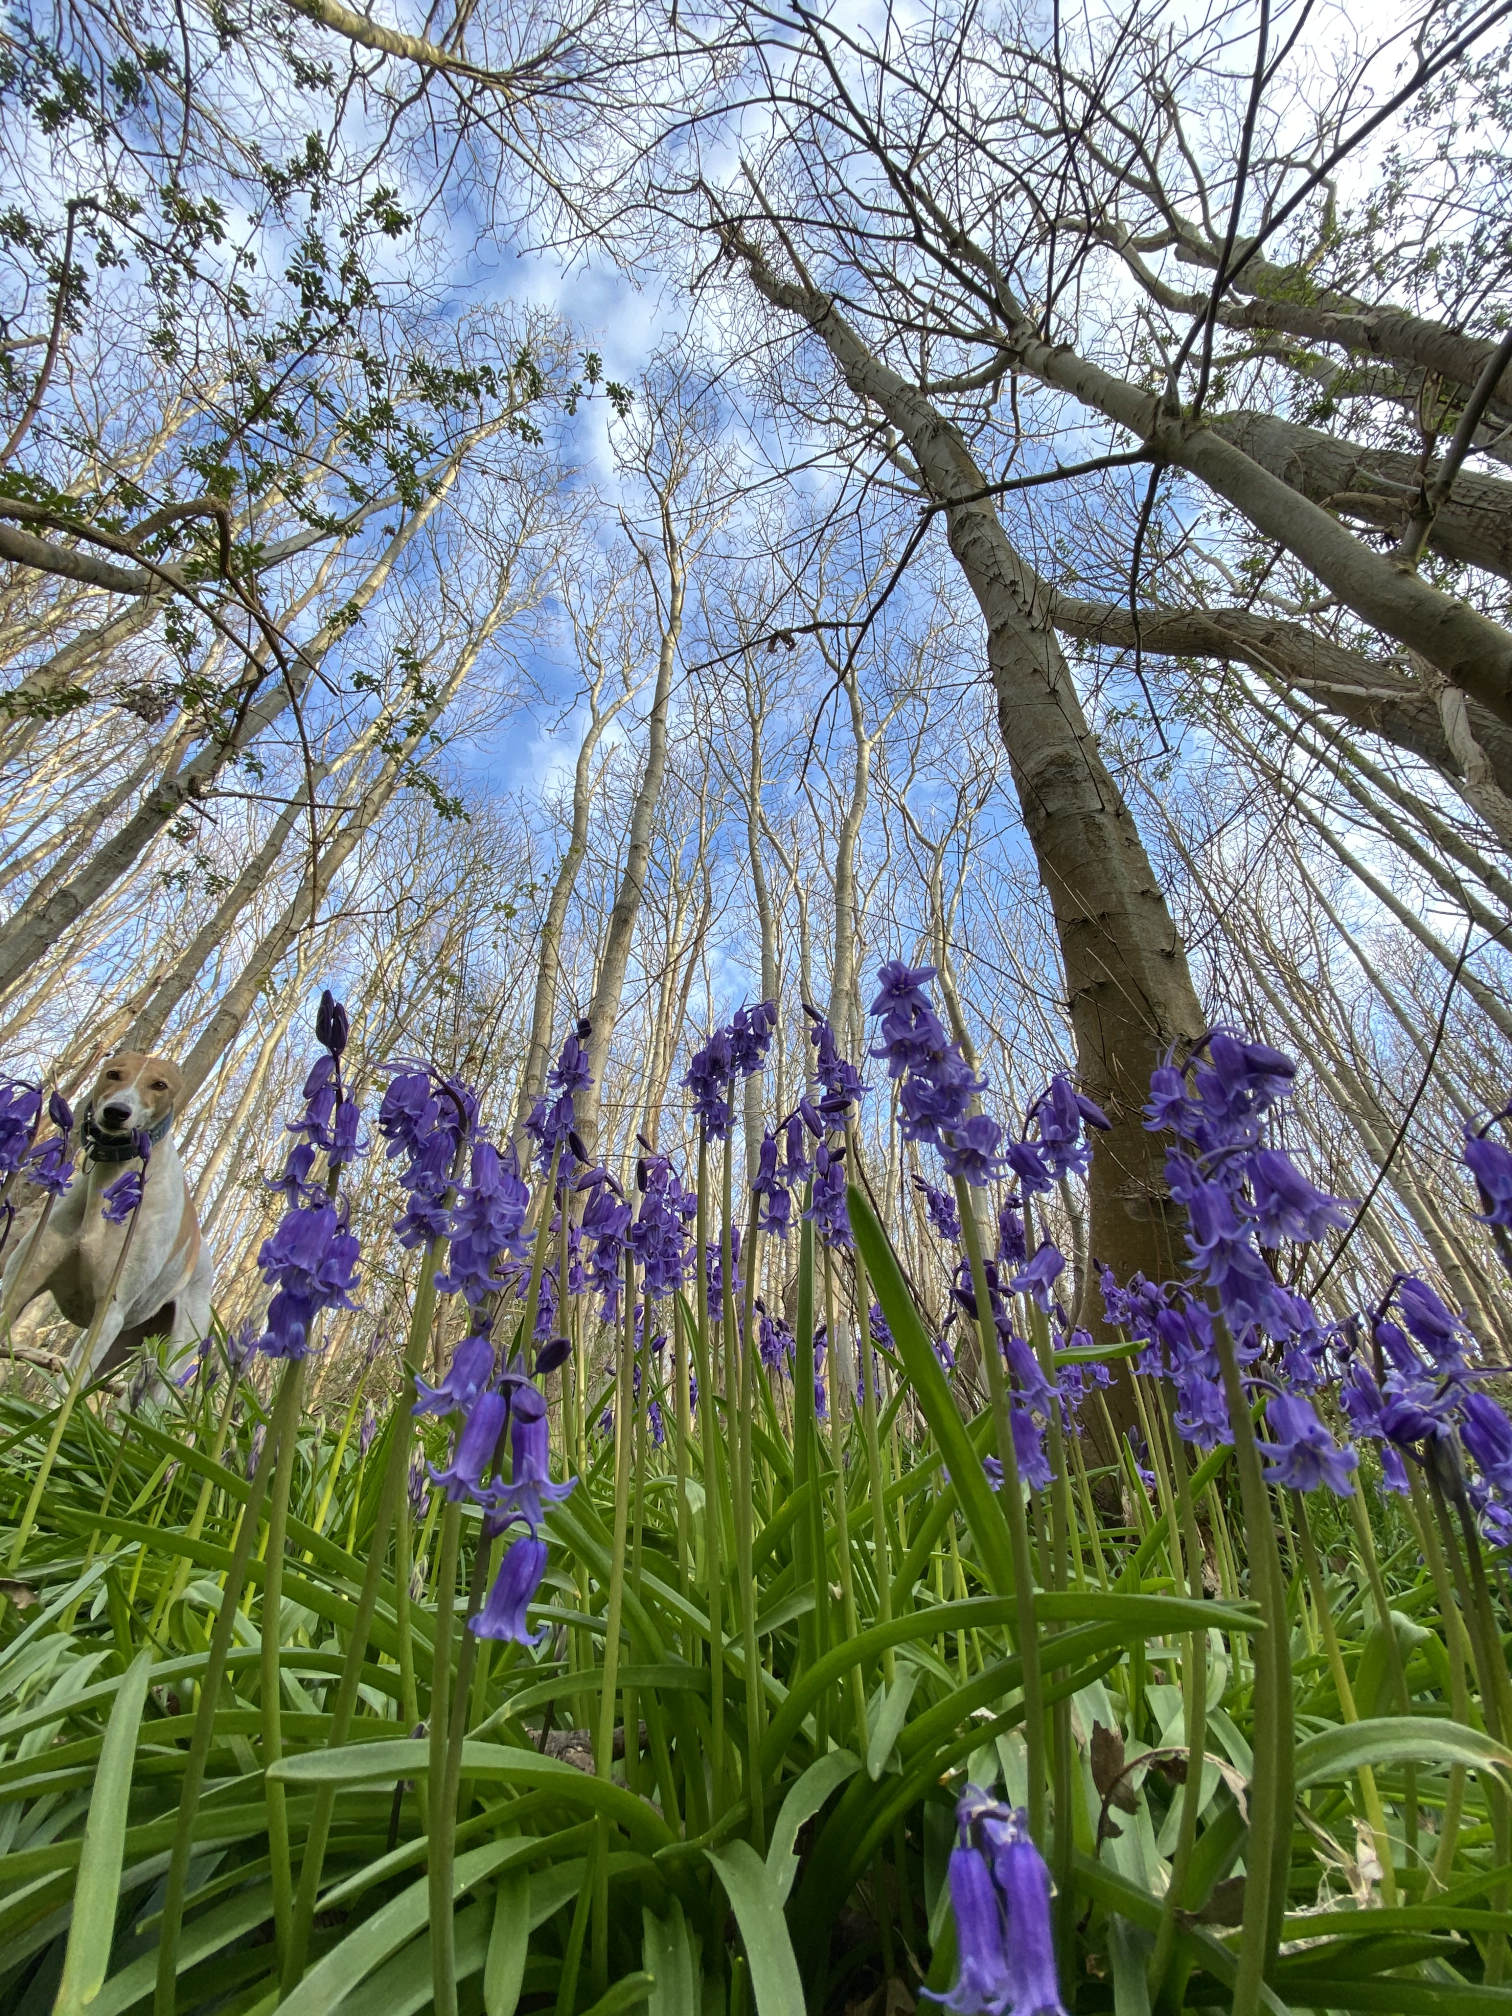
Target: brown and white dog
[(164, 1289)]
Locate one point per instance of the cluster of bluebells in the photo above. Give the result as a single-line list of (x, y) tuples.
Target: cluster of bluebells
[(552, 1123), (937, 1088), (1405, 1379), (937, 1091), (737, 1051), (837, 1089), (659, 1236), (427, 1121), (310, 1261), (1489, 1161), (1416, 1395), (490, 1412), (1244, 1198), (121, 1200), (45, 1165), (1000, 1895)]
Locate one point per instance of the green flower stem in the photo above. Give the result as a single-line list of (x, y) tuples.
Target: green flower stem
[(848, 1619), (75, 1387), (1062, 1758), (1469, 1573), (443, 1827), (391, 1498), (1272, 1738), (333, 1468), (178, 1582), (603, 1749), (1382, 1601), (740, 1356), (713, 1482), (1026, 1630), (876, 1475), (1194, 1713), (270, 1662), (1456, 1648), (1370, 1795), (285, 1414)]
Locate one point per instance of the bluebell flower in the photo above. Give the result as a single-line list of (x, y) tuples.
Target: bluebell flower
[(311, 1261), (606, 1221), (344, 1146), (797, 1165), (1062, 1115), (750, 1036), (1441, 1332), (774, 1342), (827, 1207), (1201, 1415), (514, 1590), (1000, 1895), (485, 1224), (1038, 1278), (1025, 1161), (972, 1149), (1029, 1449), (48, 1165), (20, 1117), (710, 1075), (1285, 1205), (941, 1208), (1243, 1080), (913, 1040), (572, 1073), (901, 987), (409, 1112), (367, 1429), (1303, 1455), (530, 1489), (121, 1200), (1490, 1163), (836, 1074), (1487, 1435), (1013, 1244), (332, 1024), (656, 1423), (468, 1474), (470, 1370)]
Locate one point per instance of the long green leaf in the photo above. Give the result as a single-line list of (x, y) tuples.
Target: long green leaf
[(753, 1898), (805, 1796), (391, 1928), (508, 1943), (979, 1504), (92, 1933), (1395, 1739), (404, 1757)]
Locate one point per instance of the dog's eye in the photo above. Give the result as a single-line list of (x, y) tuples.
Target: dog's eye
[(159, 1085), (112, 1075)]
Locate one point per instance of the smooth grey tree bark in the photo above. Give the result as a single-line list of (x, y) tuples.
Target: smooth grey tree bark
[(1129, 992)]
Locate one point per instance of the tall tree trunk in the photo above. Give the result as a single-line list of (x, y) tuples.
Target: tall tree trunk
[(609, 983), (543, 1013), (1129, 991)]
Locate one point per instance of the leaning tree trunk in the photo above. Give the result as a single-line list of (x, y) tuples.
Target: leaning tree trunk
[(543, 1012), (1128, 988), (609, 984)]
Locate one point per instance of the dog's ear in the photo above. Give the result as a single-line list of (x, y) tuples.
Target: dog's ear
[(161, 1067)]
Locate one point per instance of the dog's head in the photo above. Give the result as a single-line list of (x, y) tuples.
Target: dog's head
[(134, 1090)]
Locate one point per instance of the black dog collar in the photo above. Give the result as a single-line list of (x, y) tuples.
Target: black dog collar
[(102, 1147)]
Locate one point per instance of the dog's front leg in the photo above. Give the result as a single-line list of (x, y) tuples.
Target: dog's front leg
[(98, 1339)]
